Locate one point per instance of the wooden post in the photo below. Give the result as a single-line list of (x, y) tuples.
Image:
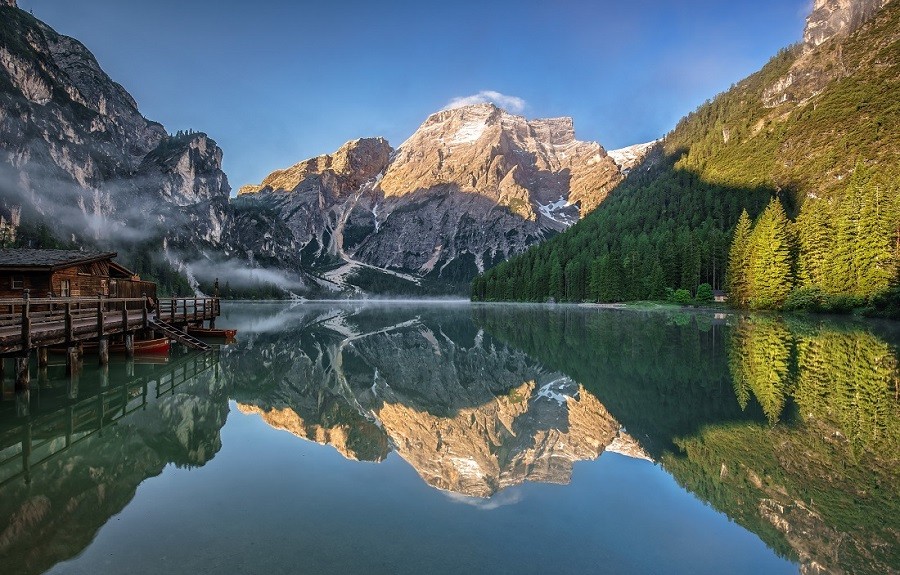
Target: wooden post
[(129, 345), (70, 329), (103, 350), (102, 340), (23, 378), (172, 309), (43, 357), (195, 309), (72, 360), (124, 315), (100, 314), (146, 317), (26, 320), (43, 377)]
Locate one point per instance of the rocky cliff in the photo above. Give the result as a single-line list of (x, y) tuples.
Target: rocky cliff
[(78, 160), (819, 64), (469, 188), (831, 18)]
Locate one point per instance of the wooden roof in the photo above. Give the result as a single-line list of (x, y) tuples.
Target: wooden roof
[(47, 260)]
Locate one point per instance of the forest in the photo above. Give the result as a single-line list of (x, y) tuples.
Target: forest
[(818, 173)]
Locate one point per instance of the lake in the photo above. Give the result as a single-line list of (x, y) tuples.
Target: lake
[(458, 438)]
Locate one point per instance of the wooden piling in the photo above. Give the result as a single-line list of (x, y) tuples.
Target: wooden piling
[(23, 377), (103, 350), (70, 330), (43, 357), (129, 345), (73, 359)]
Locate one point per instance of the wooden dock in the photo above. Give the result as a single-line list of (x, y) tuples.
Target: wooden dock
[(28, 325)]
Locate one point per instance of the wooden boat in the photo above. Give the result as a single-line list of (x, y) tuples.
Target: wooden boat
[(212, 333), (158, 346)]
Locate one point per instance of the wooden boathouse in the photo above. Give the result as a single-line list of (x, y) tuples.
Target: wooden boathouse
[(69, 299), (68, 273)]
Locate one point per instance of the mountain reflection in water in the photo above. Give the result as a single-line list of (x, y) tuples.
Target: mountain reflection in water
[(470, 414), (792, 429)]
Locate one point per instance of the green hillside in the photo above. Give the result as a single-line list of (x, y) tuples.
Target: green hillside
[(796, 131)]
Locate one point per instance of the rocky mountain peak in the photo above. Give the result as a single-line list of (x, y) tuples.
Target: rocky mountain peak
[(8, 3), (521, 163), (831, 18), (357, 161), (470, 187)]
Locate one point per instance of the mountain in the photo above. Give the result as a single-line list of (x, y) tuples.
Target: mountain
[(818, 128), (81, 167), (631, 157), (471, 187)]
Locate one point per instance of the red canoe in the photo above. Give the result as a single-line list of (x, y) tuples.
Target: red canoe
[(141, 347)]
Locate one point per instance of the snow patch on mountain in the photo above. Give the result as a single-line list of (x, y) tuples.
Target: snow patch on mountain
[(630, 157)]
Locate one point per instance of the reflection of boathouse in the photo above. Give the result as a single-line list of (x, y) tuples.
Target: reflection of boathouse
[(68, 273)]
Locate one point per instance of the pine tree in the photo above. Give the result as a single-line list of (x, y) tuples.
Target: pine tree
[(814, 233), (771, 277), (875, 265), (557, 285), (737, 279)]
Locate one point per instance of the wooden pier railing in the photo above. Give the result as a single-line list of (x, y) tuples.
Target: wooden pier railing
[(27, 324)]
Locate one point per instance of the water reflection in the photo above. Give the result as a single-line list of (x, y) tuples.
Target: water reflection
[(84, 444), (794, 432), (792, 429), (472, 415)]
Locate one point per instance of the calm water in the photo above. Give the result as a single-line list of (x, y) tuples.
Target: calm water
[(465, 439)]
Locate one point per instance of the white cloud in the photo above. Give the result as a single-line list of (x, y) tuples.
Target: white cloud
[(508, 103)]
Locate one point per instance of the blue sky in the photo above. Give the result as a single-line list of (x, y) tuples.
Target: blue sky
[(275, 82)]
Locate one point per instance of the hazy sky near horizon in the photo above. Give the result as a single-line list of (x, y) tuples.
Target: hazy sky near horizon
[(275, 82)]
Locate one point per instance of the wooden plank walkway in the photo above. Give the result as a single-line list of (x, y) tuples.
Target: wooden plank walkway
[(27, 324)]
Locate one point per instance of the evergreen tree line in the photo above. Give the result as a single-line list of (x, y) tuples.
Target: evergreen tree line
[(663, 230), (837, 255)]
